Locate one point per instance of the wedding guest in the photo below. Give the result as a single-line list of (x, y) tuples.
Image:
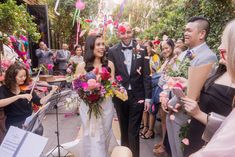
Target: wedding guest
[(179, 50), (77, 58), (62, 58), (148, 118), (195, 35), (135, 73), (167, 48), (216, 96), (17, 103), (44, 55)]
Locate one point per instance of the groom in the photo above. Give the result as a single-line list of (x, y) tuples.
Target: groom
[(132, 64)]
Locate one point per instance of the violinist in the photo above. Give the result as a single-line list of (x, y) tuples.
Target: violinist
[(18, 104)]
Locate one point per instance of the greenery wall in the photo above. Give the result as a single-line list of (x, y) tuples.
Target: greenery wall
[(15, 20), (172, 17)]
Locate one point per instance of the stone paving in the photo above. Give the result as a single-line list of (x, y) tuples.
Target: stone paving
[(69, 125)]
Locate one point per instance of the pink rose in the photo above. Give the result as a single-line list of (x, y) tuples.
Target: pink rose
[(179, 85), (93, 97), (91, 84)]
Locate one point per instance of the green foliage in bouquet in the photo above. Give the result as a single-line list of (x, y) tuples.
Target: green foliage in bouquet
[(182, 70)]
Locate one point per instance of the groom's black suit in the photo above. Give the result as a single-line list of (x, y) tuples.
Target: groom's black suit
[(138, 85)]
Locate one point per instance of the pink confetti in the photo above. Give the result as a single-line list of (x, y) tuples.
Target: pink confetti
[(175, 110), (141, 101), (139, 70), (185, 141), (177, 105), (172, 117)]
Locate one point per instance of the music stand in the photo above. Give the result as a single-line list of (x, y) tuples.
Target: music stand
[(54, 100), (33, 122)]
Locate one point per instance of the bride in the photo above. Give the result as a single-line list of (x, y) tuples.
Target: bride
[(97, 139)]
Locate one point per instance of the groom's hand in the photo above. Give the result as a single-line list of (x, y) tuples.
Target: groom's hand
[(146, 106)]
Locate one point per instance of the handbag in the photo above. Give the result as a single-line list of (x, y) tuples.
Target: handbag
[(214, 121)]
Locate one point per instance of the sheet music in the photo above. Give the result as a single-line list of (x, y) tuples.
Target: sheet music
[(11, 141), (18, 143)]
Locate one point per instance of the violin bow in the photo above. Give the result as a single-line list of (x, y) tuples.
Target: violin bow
[(35, 81)]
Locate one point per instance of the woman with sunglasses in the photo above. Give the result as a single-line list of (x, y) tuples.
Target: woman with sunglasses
[(217, 94)]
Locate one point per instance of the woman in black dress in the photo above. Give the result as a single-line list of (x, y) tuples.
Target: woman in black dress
[(18, 104), (216, 96)]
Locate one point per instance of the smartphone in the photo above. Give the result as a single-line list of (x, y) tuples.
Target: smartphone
[(178, 92)]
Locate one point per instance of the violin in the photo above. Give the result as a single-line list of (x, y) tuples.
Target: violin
[(33, 84), (39, 86)]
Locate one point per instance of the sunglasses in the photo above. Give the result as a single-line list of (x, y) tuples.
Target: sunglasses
[(222, 53)]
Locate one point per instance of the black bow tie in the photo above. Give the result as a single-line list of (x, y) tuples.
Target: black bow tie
[(127, 48)]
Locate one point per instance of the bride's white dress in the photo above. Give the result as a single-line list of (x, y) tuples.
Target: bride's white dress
[(97, 138)]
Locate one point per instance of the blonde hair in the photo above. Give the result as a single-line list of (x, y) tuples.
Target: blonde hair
[(229, 41)]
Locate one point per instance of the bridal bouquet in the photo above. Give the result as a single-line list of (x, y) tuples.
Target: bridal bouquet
[(95, 86)]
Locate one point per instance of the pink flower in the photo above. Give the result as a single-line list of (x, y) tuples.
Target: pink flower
[(119, 78), (88, 20), (84, 85), (50, 66), (80, 5), (121, 29), (179, 85), (105, 74), (91, 84), (22, 37), (185, 141)]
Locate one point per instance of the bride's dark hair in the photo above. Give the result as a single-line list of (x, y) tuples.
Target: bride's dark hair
[(89, 53)]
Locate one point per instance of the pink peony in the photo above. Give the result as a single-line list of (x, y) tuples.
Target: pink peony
[(91, 84)]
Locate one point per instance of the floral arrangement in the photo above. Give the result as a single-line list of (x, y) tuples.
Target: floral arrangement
[(95, 86), (44, 67)]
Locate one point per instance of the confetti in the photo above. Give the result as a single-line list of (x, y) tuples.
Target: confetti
[(172, 117), (139, 70), (185, 141), (141, 101)]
